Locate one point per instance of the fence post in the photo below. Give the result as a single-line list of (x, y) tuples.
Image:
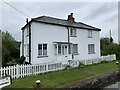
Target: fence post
[(78, 62), (47, 67), (114, 56), (17, 71), (85, 62)]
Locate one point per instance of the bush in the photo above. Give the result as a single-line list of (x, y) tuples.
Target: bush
[(67, 67), (104, 61), (81, 65), (21, 59)]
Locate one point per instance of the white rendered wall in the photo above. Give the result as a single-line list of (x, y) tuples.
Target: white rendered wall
[(82, 40), (45, 33)]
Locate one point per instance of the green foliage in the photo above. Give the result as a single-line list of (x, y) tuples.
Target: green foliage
[(10, 48), (109, 47), (21, 60), (111, 39), (81, 65), (104, 61), (67, 67)]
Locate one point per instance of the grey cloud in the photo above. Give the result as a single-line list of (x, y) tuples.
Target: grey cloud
[(103, 9), (40, 8), (113, 18)]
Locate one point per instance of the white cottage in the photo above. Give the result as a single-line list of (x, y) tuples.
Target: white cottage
[(48, 39)]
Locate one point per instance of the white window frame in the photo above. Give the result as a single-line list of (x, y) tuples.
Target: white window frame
[(90, 34), (73, 32), (27, 32), (61, 49), (42, 52), (75, 49), (27, 49), (91, 48)]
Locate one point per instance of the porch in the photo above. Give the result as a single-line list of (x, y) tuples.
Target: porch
[(63, 51)]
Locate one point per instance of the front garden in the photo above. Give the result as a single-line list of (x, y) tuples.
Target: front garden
[(58, 78)]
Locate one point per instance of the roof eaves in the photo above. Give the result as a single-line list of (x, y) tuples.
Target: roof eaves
[(96, 29)]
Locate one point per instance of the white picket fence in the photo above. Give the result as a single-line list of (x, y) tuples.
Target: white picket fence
[(98, 60), (20, 71)]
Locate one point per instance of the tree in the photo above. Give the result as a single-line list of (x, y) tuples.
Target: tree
[(10, 48), (109, 47)]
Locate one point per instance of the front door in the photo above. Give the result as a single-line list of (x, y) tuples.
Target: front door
[(64, 50), (62, 53)]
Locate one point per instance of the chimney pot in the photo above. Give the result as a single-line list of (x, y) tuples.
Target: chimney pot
[(71, 14), (71, 18)]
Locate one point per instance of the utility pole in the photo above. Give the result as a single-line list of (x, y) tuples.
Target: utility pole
[(111, 39), (0, 48), (110, 33)]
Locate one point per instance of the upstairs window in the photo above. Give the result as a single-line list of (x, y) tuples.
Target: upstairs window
[(72, 32), (89, 33), (91, 48), (42, 49)]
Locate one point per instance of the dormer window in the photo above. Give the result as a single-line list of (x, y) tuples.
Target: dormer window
[(72, 32)]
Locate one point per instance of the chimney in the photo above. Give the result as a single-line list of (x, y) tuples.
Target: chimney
[(26, 20), (71, 18)]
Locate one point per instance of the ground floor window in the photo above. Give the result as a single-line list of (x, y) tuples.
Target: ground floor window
[(42, 49), (75, 48), (61, 49), (91, 48), (27, 49)]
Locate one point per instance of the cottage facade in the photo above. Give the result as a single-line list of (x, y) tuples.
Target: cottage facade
[(48, 39)]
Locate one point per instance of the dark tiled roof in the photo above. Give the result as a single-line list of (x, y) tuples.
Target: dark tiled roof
[(62, 22)]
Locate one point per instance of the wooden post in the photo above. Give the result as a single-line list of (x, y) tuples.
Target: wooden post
[(46, 67), (17, 71)]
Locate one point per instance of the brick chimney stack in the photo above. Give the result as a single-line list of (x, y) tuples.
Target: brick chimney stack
[(71, 18)]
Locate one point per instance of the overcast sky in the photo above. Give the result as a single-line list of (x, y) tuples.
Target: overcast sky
[(103, 15)]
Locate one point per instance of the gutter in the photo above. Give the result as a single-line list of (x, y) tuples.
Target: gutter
[(68, 41)]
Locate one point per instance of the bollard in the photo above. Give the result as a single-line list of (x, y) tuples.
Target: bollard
[(37, 85), (116, 63), (38, 82)]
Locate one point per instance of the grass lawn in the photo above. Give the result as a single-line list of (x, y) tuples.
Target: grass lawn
[(57, 78)]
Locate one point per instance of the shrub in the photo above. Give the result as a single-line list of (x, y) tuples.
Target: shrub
[(68, 67), (21, 60), (104, 61), (81, 65)]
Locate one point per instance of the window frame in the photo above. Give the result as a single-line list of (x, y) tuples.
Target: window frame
[(75, 52), (27, 46), (91, 48), (27, 32), (41, 52), (73, 32), (90, 34)]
